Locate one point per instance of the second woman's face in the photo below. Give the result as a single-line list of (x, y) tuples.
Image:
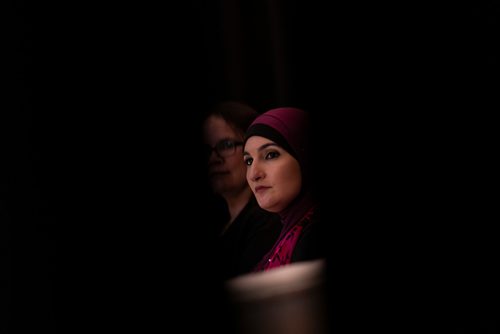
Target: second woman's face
[(225, 166), (273, 174)]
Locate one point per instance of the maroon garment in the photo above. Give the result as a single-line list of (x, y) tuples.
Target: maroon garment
[(247, 239), (282, 251)]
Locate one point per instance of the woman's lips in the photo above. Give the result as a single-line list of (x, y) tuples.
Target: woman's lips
[(261, 188)]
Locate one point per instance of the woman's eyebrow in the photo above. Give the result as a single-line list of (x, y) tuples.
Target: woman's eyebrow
[(262, 147)]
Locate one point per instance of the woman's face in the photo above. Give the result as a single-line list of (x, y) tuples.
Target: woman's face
[(226, 169), (273, 174)]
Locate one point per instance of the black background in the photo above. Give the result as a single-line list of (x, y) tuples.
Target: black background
[(103, 188)]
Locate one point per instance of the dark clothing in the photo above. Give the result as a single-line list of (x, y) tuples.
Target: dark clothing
[(249, 237), (300, 240), (310, 245)]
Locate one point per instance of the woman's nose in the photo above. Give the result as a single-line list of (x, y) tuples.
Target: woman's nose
[(256, 173)]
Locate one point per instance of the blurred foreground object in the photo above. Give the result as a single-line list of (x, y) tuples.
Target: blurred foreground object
[(287, 300)]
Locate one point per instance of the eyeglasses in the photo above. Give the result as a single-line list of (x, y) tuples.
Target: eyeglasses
[(224, 148)]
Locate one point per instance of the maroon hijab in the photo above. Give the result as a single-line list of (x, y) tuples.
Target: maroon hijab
[(288, 127)]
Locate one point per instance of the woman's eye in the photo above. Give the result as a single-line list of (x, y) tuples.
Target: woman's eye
[(224, 145), (228, 144), (248, 161), (272, 155)]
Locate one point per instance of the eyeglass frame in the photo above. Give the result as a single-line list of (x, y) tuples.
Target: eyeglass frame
[(219, 148)]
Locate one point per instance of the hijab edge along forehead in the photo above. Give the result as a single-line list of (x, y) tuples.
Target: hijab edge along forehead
[(287, 127)]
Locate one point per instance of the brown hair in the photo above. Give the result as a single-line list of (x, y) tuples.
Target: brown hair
[(238, 115)]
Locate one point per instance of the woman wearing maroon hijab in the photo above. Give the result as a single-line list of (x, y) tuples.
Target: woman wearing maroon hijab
[(278, 171)]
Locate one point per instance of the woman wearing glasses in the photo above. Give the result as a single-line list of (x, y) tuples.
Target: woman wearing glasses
[(247, 232), (278, 162)]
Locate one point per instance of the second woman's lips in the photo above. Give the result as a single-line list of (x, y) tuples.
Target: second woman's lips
[(218, 172)]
